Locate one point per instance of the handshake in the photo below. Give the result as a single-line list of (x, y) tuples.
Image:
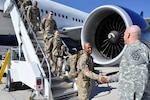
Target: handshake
[(103, 79)]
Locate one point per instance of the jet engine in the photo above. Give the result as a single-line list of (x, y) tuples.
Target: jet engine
[(104, 29)]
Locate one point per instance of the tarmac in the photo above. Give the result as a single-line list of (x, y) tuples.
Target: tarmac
[(19, 94), (100, 92), (105, 91)]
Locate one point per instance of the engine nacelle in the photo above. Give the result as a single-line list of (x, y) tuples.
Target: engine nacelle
[(104, 29)]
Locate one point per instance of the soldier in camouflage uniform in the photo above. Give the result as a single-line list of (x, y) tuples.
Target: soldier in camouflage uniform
[(56, 52), (133, 75), (85, 69), (48, 26), (33, 14), (19, 2), (25, 5)]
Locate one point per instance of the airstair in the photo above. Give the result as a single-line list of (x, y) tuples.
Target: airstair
[(29, 64)]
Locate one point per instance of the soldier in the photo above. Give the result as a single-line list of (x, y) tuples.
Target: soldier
[(48, 26), (133, 75), (85, 73), (19, 2), (25, 5), (56, 52), (33, 15)]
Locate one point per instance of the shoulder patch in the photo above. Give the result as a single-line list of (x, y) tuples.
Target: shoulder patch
[(136, 55), (137, 58)]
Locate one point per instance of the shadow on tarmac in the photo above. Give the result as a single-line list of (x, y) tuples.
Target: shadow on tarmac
[(98, 90)]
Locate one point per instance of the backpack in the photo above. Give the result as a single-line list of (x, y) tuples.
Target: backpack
[(72, 64)]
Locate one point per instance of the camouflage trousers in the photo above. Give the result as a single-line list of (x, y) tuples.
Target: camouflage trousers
[(35, 25), (129, 90), (57, 65), (84, 92), (52, 64), (47, 35), (46, 44), (46, 38)]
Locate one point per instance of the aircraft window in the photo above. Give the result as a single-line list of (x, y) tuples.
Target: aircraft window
[(62, 16), (77, 20), (55, 14), (46, 12), (59, 15), (42, 10), (66, 17)]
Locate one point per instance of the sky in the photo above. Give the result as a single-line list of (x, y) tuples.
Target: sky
[(89, 5)]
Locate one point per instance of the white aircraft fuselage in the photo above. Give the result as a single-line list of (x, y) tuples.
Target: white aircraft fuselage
[(65, 16)]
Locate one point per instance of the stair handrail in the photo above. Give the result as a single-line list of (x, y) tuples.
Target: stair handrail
[(38, 46)]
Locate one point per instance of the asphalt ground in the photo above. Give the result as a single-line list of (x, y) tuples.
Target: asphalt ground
[(99, 92)]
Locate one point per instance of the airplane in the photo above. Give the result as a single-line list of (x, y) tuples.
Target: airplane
[(103, 28)]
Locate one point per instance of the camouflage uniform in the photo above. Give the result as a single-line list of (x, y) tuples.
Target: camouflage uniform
[(33, 15), (47, 26), (25, 5), (72, 63), (85, 69), (56, 54), (133, 74), (19, 2)]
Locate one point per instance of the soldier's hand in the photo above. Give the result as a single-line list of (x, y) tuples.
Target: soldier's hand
[(62, 47), (104, 79), (99, 79)]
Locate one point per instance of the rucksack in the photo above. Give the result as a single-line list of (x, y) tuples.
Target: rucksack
[(72, 64)]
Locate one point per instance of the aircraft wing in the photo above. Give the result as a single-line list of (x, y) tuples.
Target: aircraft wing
[(71, 37), (71, 32), (71, 28)]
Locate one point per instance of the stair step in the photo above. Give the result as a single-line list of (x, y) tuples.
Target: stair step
[(62, 88), (40, 41), (62, 85), (39, 33), (39, 53), (57, 79), (72, 98), (64, 93), (40, 38)]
